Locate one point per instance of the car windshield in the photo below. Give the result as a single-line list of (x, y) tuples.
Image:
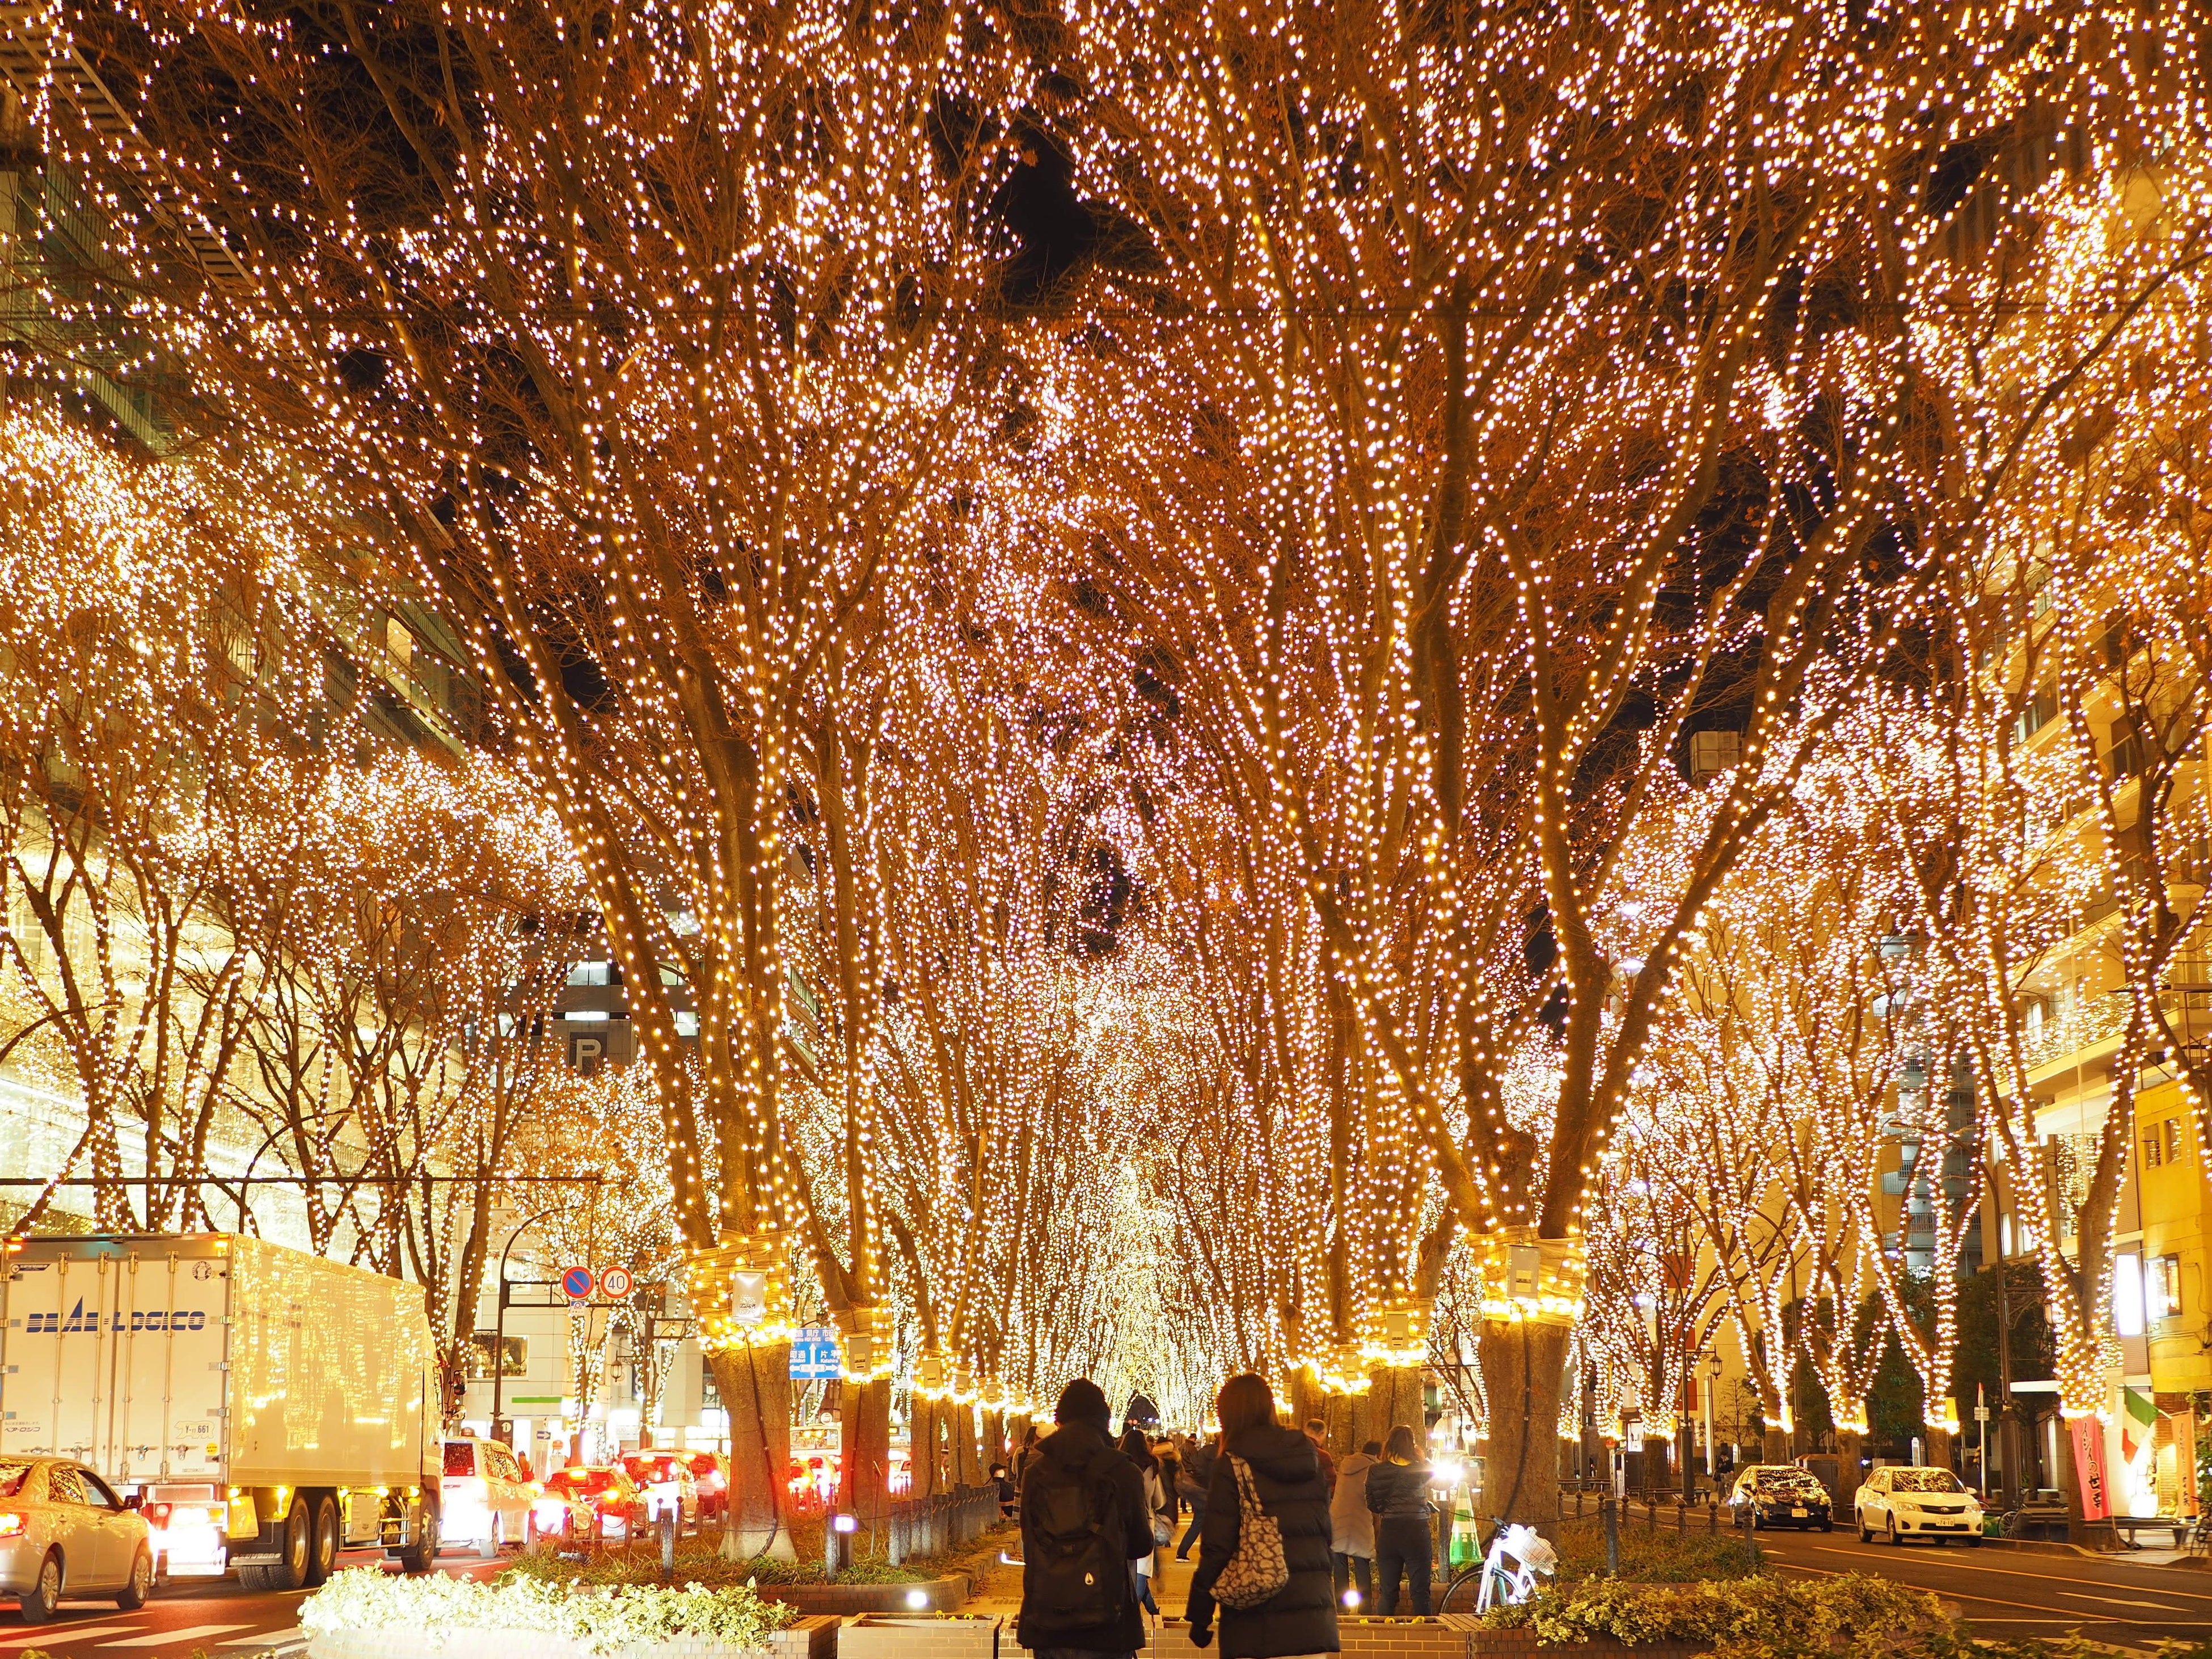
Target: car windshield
[(1785, 1480), (651, 1469), (1924, 1480), (584, 1483), (11, 1476)]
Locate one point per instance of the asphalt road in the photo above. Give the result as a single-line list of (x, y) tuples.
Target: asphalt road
[(212, 1616), (2019, 1593)]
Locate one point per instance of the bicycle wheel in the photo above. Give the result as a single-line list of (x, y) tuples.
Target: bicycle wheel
[(1461, 1593)]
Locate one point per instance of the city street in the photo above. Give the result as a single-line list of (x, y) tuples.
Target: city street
[(2019, 1593), (215, 1616)]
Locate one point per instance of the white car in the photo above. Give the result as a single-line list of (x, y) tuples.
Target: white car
[(1907, 1503), (485, 1500)]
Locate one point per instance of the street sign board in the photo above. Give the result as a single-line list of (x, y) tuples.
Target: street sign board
[(576, 1283), (616, 1283), (814, 1355)]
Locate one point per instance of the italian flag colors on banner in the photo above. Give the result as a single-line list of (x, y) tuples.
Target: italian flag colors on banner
[(2137, 1423)]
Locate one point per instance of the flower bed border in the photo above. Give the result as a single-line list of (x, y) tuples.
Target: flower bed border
[(809, 1637), (944, 1594)]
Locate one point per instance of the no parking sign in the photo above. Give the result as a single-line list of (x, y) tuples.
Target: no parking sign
[(576, 1284)]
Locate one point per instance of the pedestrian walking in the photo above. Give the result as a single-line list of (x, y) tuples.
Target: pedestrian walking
[(1138, 1451), (1351, 1528), (1085, 1524), (1197, 1477), (1398, 1496), (1170, 1461), (1265, 1470)]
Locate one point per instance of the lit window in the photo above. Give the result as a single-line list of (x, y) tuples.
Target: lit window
[(2153, 1143), (687, 1023), (2127, 1295), (2173, 1141), (588, 973)]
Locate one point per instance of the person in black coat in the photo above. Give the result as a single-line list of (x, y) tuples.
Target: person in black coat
[(1301, 1617), (1077, 1618), (1398, 1493)]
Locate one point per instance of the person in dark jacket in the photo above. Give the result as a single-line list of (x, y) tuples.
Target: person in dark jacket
[(1107, 1620), (1398, 1493), (1194, 1481), (1301, 1617)]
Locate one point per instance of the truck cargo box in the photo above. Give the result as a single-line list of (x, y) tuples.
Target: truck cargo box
[(216, 1357)]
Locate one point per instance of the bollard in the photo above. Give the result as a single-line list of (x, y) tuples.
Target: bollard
[(1609, 1513), (1751, 1534), (1713, 1516), (668, 1545), (1681, 1518)]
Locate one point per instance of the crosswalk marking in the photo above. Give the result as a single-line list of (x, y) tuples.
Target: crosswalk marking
[(52, 1634), (275, 1638), (161, 1638)]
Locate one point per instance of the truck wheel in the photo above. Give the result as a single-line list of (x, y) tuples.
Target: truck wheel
[(136, 1594), (421, 1555), (323, 1561), (40, 1600), (296, 1543)]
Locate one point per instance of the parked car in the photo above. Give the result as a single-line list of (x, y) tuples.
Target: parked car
[(1783, 1495), (667, 1481), (1902, 1503), (486, 1496), (712, 1471), (583, 1500), (65, 1534)]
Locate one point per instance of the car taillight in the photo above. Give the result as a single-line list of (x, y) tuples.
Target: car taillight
[(157, 1515), (11, 1524)]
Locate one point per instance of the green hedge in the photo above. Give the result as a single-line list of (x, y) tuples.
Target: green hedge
[(1766, 1618), (600, 1618)]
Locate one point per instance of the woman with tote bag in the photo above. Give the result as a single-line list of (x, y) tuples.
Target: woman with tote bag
[(1263, 1566)]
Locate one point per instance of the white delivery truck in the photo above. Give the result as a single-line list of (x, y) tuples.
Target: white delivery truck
[(264, 1407)]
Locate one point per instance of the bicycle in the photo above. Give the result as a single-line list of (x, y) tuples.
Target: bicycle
[(1488, 1581)]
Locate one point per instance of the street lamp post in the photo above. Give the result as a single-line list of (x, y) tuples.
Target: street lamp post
[(501, 1430)]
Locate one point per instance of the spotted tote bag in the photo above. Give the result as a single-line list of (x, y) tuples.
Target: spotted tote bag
[(1257, 1571)]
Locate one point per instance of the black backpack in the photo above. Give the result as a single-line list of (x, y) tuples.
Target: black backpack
[(1075, 1575)]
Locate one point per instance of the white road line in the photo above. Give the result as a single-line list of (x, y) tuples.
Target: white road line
[(51, 1634), (271, 1640), (161, 1638), (2121, 1601)]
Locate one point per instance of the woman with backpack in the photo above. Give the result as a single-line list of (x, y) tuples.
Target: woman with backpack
[(1263, 1563)]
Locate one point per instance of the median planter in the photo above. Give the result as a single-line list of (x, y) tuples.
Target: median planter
[(367, 1614), (944, 1594), (920, 1636)]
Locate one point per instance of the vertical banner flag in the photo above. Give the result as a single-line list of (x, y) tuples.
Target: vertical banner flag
[(2137, 1423), (2089, 1467)]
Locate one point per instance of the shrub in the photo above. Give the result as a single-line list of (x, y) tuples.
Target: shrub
[(1760, 1618), (600, 1619), (1654, 1557)]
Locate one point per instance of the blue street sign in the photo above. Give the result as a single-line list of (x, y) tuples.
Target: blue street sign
[(815, 1357), (576, 1284)]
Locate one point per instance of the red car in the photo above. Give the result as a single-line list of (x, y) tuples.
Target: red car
[(578, 1502), (711, 1470)]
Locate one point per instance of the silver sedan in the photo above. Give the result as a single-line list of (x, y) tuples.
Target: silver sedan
[(64, 1533)]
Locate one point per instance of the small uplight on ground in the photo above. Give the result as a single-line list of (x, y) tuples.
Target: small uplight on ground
[(845, 1522), (917, 1599), (1351, 1601)]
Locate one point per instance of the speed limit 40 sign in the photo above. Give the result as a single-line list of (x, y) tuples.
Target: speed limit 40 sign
[(616, 1283)]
